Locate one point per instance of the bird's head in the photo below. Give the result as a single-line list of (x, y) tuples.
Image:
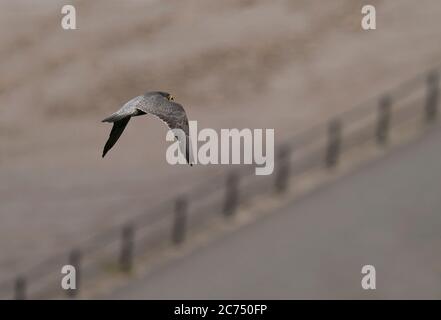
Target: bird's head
[(166, 95)]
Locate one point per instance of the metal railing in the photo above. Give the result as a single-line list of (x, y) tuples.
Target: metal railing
[(170, 223)]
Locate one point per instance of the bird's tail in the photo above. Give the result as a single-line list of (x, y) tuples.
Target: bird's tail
[(115, 117)]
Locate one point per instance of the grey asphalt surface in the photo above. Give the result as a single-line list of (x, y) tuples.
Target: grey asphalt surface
[(387, 214)]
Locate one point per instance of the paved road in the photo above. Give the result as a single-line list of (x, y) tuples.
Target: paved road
[(388, 215)]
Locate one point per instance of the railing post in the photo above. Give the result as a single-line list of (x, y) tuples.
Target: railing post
[(282, 170), (180, 221), (383, 120), (20, 288), (432, 98), (75, 261), (127, 248), (231, 194), (334, 143)]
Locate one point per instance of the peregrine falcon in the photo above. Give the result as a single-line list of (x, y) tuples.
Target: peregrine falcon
[(158, 103)]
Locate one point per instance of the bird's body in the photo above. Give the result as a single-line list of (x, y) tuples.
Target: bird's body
[(157, 103)]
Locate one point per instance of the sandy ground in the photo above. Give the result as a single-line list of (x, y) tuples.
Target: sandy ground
[(289, 64)]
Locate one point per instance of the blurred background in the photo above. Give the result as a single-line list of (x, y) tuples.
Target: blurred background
[(283, 64)]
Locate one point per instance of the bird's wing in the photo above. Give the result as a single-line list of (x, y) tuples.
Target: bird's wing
[(172, 113), (117, 130), (128, 109)]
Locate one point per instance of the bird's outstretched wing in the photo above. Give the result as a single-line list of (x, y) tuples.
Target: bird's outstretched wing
[(172, 113), (117, 130)]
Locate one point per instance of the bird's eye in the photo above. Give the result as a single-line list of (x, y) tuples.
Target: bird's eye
[(171, 98)]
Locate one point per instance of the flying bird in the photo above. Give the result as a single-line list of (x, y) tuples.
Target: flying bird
[(158, 103)]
